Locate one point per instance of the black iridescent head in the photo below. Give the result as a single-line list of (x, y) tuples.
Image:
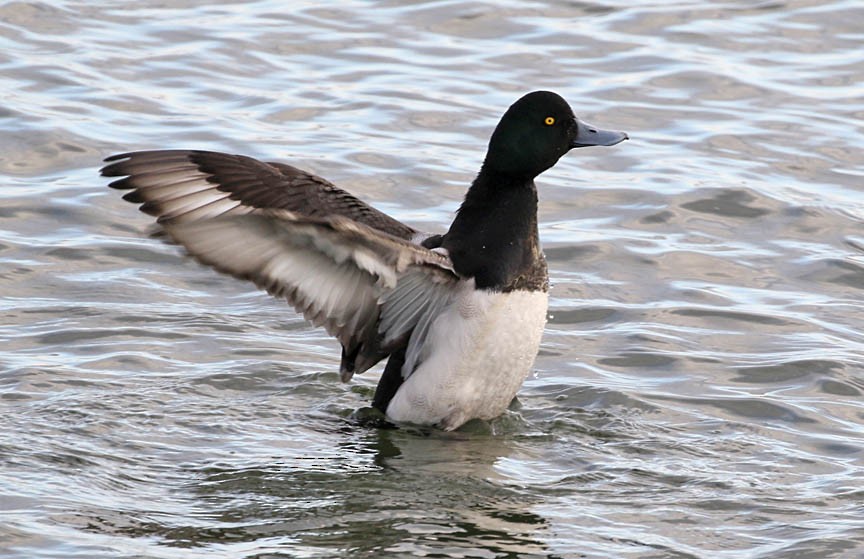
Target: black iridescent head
[(536, 131)]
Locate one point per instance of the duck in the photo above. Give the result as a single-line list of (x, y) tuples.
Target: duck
[(458, 315)]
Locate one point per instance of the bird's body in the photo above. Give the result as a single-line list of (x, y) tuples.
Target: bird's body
[(459, 315)]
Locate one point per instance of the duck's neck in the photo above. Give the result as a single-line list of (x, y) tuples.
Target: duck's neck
[(494, 237)]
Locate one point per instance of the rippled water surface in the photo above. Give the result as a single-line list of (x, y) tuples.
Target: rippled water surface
[(699, 388)]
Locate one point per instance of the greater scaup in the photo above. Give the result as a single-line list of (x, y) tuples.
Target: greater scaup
[(459, 315)]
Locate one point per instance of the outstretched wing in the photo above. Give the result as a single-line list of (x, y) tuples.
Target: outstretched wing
[(189, 185), (340, 262), (340, 274)]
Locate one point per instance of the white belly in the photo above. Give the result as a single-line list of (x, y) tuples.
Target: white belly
[(480, 350)]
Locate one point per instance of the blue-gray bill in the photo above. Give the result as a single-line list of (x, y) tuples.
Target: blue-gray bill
[(587, 135)]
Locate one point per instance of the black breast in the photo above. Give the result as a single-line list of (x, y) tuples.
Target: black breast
[(494, 239)]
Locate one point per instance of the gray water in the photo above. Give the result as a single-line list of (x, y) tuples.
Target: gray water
[(698, 393)]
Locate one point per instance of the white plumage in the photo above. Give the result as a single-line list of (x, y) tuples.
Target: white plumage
[(479, 350)]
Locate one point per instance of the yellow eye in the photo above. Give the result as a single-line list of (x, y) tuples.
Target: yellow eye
[(550, 120)]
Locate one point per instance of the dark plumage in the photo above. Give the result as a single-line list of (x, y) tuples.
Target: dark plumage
[(243, 179)]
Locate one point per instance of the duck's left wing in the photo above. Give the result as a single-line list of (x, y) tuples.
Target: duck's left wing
[(369, 289)]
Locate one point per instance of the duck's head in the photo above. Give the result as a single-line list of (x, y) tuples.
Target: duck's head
[(536, 131)]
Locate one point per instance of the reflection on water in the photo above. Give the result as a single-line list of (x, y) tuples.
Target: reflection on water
[(698, 390), (378, 503)]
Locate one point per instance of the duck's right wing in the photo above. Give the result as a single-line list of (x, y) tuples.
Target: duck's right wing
[(371, 290), (191, 185)]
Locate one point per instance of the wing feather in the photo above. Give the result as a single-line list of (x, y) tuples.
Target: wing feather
[(155, 177), (410, 309)]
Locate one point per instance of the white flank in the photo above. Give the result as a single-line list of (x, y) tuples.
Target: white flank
[(477, 354)]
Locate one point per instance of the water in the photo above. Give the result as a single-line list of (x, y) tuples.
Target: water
[(699, 389)]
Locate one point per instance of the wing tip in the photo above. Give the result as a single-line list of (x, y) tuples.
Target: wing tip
[(118, 156), (119, 184)]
